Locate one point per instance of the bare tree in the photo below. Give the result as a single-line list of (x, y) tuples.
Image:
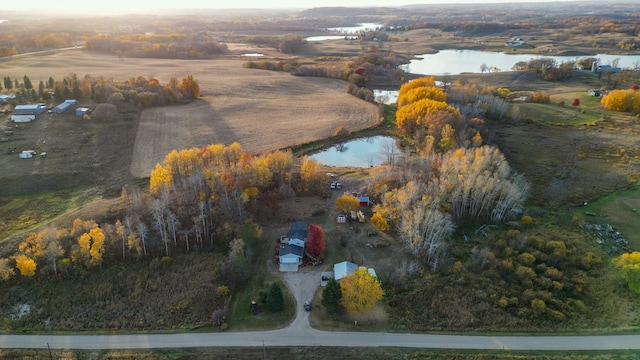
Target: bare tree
[(142, 231)]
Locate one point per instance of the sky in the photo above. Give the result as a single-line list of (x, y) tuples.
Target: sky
[(210, 4)]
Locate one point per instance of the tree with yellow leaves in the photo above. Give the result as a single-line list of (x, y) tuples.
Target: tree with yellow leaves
[(6, 270), (420, 93), (410, 116), (347, 203), (622, 100), (90, 247), (26, 265), (379, 222), (427, 81), (630, 265), (160, 179), (360, 291)]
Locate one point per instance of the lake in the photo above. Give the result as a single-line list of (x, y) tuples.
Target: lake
[(453, 62), (331, 37), (355, 29), (365, 152), (385, 96)]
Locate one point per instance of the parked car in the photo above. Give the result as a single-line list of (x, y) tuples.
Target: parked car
[(338, 186), (307, 305), (333, 185)]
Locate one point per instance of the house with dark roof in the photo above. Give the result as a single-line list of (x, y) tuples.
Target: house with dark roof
[(291, 254)]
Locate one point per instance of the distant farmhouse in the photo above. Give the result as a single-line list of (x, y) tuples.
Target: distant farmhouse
[(515, 42), (32, 109), (597, 68)]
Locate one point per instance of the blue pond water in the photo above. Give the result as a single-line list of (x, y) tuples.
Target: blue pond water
[(365, 152)]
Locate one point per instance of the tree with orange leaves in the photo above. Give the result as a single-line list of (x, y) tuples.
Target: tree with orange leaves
[(190, 88)]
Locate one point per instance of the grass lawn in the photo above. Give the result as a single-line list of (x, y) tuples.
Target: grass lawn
[(240, 316), (557, 115), (25, 212), (621, 209)]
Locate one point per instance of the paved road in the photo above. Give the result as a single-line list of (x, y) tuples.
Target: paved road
[(312, 337), (303, 285)]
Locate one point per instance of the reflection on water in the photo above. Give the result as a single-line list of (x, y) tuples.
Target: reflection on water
[(356, 29), (366, 152), (385, 96), (452, 62), (330, 37)]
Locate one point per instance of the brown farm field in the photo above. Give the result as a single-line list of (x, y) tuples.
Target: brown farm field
[(259, 109)]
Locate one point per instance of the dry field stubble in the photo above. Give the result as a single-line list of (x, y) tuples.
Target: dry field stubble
[(260, 109)]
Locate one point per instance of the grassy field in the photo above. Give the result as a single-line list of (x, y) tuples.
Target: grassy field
[(304, 352), (620, 209)]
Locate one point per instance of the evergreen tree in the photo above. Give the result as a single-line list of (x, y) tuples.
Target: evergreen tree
[(41, 89), (50, 82), (27, 82), (332, 296), (16, 83), (66, 93), (7, 83), (275, 300)]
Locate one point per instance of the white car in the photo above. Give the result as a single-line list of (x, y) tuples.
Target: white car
[(338, 186), (333, 185)]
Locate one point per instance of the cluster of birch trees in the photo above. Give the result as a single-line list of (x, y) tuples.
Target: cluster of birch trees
[(199, 199), (424, 197)]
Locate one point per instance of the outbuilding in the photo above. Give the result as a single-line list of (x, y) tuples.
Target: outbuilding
[(364, 200), (31, 109), (62, 107), (22, 118), (82, 111), (341, 218)]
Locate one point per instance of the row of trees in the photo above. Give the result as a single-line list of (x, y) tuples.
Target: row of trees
[(547, 68), (140, 91), (164, 46)]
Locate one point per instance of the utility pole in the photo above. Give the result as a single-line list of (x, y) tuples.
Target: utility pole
[(50, 354), (264, 351)]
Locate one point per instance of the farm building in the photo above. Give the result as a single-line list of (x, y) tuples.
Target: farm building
[(31, 109), (346, 268), (62, 107), (22, 118), (364, 200), (5, 97), (82, 111), (27, 154)]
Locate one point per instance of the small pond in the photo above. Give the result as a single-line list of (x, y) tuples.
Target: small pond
[(385, 96), (365, 152)]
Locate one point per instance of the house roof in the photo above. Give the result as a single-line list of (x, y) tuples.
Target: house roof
[(291, 249), (343, 269), (363, 199), (298, 230)]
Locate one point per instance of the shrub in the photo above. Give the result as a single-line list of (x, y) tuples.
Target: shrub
[(341, 131), (222, 291), (575, 102)]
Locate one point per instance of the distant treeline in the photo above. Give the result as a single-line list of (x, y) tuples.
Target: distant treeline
[(162, 46)]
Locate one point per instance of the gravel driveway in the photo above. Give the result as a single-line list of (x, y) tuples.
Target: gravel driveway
[(303, 284)]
